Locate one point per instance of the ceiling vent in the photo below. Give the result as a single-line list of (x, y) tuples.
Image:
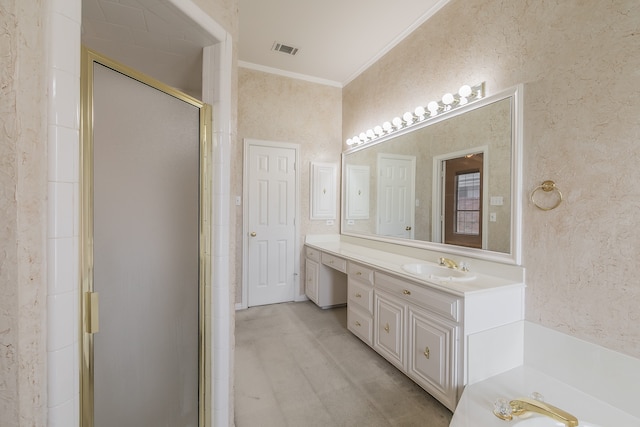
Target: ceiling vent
[(289, 50)]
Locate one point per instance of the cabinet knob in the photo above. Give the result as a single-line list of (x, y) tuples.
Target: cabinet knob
[(386, 328), (253, 234), (358, 323), (427, 353), (406, 292), (408, 228), (358, 295)]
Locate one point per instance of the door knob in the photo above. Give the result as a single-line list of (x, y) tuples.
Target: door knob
[(408, 228), (253, 234)]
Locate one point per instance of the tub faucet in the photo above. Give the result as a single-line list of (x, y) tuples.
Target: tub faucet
[(524, 404), (449, 263)]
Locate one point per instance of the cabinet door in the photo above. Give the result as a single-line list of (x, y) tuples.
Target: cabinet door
[(433, 355), (323, 191), (389, 328), (311, 280)]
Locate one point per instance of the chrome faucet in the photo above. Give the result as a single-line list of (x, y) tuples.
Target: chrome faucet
[(449, 263), (524, 404)]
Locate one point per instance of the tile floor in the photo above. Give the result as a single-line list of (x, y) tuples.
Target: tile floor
[(297, 365)]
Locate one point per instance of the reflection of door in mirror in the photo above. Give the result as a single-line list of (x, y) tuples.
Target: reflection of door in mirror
[(463, 200), (396, 195)]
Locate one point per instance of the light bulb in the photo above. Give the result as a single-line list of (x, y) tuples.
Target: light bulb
[(420, 112), (447, 99), (370, 134), (355, 140), (363, 136), (397, 122), (387, 126), (378, 130), (464, 91), (349, 141), (433, 107), (408, 117)]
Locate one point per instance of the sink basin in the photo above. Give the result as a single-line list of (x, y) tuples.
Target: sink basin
[(541, 421), (435, 272)]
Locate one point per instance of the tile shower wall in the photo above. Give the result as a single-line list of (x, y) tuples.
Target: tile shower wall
[(63, 196), (578, 61)]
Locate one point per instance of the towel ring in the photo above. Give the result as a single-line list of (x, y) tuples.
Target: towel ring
[(546, 186)]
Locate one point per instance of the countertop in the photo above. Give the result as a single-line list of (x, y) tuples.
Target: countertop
[(392, 263)]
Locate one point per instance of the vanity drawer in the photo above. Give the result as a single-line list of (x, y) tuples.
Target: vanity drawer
[(334, 262), (360, 324), (360, 295), (312, 254), (445, 305), (360, 272)]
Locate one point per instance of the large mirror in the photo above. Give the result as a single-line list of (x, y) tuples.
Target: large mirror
[(451, 183)]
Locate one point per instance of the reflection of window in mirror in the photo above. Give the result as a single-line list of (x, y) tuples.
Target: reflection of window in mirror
[(463, 201)]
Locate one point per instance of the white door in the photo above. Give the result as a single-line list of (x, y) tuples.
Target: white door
[(396, 195), (271, 209)]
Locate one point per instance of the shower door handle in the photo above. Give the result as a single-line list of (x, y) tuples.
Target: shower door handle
[(92, 318)]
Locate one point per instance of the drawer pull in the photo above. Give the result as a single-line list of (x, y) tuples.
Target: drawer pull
[(427, 353), (331, 262), (359, 273), (358, 295), (406, 292), (386, 328), (358, 323)]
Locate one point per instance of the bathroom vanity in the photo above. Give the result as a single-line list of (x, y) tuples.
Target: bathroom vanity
[(419, 323)]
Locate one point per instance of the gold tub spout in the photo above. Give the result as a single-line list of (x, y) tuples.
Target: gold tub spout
[(525, 404)]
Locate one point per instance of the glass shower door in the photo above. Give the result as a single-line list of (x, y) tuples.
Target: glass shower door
[(146, 254)]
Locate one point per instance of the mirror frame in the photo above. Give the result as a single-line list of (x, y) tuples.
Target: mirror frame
[(515, 255)]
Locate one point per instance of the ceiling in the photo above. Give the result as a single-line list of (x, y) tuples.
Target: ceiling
[(336, 39)]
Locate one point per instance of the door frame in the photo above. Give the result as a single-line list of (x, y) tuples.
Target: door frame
[(437, 205), (89, 312), (244, 299)]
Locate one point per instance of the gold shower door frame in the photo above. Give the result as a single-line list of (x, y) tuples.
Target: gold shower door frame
[(89, 314)]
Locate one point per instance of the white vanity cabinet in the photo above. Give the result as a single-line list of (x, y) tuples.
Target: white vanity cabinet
[(417, 330), (426, 328), (325, 281), (360, 301), (311, 279)]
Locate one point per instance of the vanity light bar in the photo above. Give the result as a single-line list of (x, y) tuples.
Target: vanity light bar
[(448, 102)]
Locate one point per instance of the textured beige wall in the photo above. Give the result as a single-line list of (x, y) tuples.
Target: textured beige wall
[(281, 109), (579, 61), (23, 189)]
